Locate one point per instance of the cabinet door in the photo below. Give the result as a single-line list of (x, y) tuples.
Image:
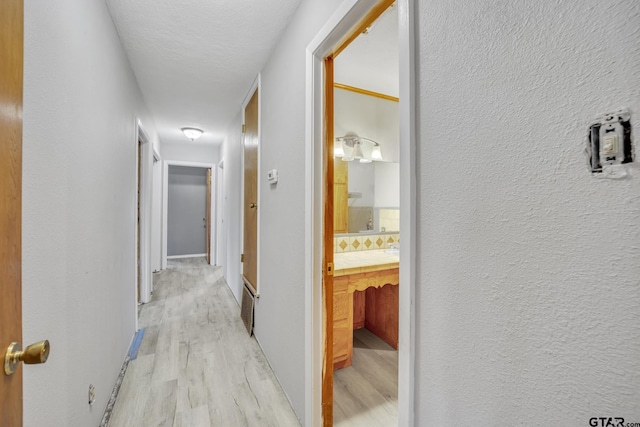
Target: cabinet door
[(342, 324)]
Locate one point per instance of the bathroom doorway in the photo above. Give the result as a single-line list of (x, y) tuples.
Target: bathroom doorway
[(326, 278), (350, 19), (366, 237)]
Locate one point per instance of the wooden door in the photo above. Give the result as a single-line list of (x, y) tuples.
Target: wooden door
[(327, 250), (341, 197), (207, 219), (250, 244), (11, 66)]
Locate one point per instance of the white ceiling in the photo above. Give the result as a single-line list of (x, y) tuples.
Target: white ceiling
[(196, 60), (371, 61)]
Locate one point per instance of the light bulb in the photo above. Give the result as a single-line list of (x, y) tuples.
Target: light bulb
[(338, 149), (376, 154), (357, 151)]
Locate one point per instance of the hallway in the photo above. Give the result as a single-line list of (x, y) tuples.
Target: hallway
[(196, 365)]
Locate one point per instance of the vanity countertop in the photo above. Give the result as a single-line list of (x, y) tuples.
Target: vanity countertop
[(363, 261)]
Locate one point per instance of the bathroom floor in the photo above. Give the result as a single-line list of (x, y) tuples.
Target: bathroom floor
[(366, 393)]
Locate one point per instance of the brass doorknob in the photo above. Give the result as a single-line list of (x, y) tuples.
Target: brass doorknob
[(253, 205), (32, 355)]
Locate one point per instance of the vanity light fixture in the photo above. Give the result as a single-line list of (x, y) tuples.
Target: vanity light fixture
[(349, 147), (192, 133)]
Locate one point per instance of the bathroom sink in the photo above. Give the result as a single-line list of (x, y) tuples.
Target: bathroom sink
[(395, 252)]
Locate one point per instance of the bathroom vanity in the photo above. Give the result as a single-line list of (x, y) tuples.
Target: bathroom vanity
[(365, 294)]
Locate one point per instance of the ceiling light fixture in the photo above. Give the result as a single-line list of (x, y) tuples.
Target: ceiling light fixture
[(192, 133), (349, 147)]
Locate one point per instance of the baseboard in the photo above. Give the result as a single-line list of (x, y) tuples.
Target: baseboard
[(132, 354), (187, 256)]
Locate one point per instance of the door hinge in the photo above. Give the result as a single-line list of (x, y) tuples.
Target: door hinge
[(329, 269), (244, 128), (241, 257)]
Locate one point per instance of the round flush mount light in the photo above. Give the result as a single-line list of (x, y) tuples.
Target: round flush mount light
[(192, 133)]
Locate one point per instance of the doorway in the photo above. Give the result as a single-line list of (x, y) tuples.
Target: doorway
[(350, 20), (142, 214), (192, 235)]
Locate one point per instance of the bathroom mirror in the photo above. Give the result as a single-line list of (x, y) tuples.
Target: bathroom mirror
[(367, 195)]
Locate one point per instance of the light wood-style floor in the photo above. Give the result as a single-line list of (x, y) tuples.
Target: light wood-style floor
[(197, 366), (366, 393)]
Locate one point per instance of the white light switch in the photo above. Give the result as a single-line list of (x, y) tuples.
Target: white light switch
[(610, 145)]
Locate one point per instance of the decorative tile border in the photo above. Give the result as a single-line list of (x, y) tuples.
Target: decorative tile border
[(365, 242)]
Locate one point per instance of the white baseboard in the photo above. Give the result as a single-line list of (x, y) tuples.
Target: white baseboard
[(187, 256)]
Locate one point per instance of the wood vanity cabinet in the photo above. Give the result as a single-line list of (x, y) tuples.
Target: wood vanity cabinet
[(340, 196), (378, 293)]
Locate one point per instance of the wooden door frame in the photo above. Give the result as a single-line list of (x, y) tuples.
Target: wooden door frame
[(255, 86), (333, 34), (165, 204), (144, 234)]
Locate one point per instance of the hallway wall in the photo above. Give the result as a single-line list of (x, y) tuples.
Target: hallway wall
[(185, 151), (231, 154), (79, 204), (528, 294), (280, 311)]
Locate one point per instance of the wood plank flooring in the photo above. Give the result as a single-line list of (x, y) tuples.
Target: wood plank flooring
[(197, 366), (366, 393)]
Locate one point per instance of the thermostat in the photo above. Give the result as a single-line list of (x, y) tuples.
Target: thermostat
[(273, 176)]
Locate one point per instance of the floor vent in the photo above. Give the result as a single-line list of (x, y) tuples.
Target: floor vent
[(246, 311)]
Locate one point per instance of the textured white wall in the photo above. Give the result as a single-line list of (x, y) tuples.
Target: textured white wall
[(185, 151), (79, 203), (231, 153), (529, 294)]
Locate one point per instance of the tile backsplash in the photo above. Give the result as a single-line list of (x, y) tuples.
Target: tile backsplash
[(389, 219), (364, 242)]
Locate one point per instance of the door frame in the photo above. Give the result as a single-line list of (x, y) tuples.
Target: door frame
[(349, 13), (156, 213), (219, 214), (255, 86), (144, 234), (165, 204)]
